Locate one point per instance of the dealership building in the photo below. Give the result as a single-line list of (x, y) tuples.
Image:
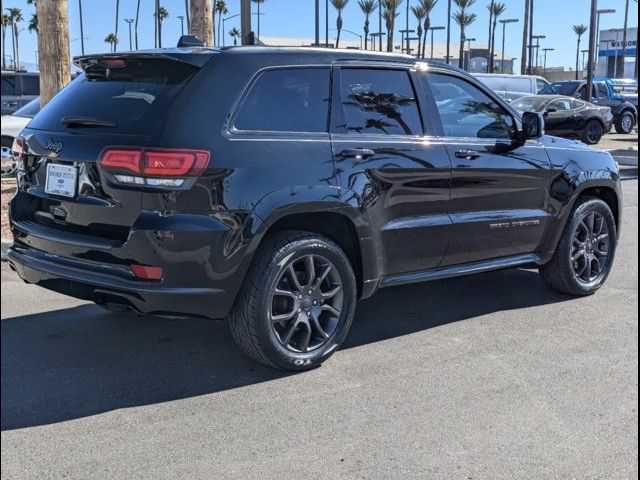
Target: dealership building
[(610, 48)]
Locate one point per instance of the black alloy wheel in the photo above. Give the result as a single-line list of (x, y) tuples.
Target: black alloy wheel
[(593, 132), (590, 248)]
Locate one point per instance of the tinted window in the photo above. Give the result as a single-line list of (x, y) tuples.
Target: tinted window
[(603, 91), (530, 104), (466, 111), (30, 85), (287, 100), (540, 84), (493, 82), (379, 102), (519, 85), (134, 97), (561, 105), (8, 85), (560, 88)]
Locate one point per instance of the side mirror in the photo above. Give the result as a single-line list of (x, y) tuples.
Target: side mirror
[(532, 125)]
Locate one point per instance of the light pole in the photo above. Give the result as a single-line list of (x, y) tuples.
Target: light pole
[(407, 45), (245, 22), (380, 25), (448, 58), (432, 30), (545, 51), (317, 23), (584, 64), (81, 27), (351, 32), (531, 11), (504, 31), (469, 40), (181, 18), (129, 21), (603, 11), (615, 46), (379, 36), (592, 46), (187, 13), (537, 38)]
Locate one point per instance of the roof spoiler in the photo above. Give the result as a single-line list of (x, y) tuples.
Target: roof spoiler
[(196, 57), (189, 41)]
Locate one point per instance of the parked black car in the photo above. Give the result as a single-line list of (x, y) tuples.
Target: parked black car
[(278, 186), (569, 117), (620, 95)]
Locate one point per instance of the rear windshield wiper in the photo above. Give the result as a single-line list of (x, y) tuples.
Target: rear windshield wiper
[(71, 122)]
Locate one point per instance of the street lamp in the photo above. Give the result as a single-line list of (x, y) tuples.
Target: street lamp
[(603, 11), (432, 30), (584, 52), (615, 46), (545, 51), (181, 18), (537, 38), (379, 36), (129, 21), (469, 40), (405, 35), (351, 32), (504, 31)]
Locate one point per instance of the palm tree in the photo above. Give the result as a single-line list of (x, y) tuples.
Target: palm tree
[(367, 7), (390, 14), (135, 27), (621, 58), (490, 8), (525, 38), (235, 34), (463, 19), (112, 40), (54, 58), (339, 6), (497, 11), (6, 22), (163, 14), (258, 2), (33, 23), (221, 9), (419, 12), (428, 6), (579, 30), (15, 15), (201, 20)]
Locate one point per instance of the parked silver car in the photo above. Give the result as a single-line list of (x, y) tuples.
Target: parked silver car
[(512, 87), (12, 125)]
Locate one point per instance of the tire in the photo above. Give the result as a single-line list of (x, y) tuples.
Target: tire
[(625, 122), (593, 132), (562, 272), (271, 291), (9, 166)]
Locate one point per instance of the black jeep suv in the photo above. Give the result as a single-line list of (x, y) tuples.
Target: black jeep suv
[(278, 186)]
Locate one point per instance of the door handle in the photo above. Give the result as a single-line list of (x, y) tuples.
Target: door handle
[(358, 153), (468, 154)]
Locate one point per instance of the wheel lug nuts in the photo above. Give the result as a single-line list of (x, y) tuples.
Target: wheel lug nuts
[(310, 292), (299, 297), (299, 310), (315, 302), (308, 314)]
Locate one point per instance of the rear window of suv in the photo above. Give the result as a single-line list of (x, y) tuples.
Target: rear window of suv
[(287, 100), (133, 96)]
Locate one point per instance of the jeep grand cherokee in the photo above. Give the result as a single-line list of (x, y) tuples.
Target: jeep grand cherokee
[(277, 186)]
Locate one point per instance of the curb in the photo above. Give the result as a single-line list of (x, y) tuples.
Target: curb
[(5, 248)]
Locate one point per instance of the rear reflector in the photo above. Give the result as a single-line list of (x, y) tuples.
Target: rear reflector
[(147, 273), (155, 162)]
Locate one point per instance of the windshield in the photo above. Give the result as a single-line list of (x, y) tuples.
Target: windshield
[(131, 96), (530, 104), (559, 88), (28, 110)]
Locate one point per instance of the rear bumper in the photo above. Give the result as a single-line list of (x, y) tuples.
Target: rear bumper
[(73, 278)]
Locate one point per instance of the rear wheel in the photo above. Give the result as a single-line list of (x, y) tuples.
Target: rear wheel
[(8, 162), (593, 132), (297, 304), (625, 122), (583, 259)]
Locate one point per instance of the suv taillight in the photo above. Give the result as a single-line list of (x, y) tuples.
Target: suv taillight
[(18, 150), (157, 167)]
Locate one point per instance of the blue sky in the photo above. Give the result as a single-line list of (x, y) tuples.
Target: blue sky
[(294, 18)]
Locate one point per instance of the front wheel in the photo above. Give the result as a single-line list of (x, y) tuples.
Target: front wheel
[(297, 304), (593, 132), (625, 122), (585, 253)]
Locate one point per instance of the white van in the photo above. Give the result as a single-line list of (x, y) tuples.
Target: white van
[(512, 87)]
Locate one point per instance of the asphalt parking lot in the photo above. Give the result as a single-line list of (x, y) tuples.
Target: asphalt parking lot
[(484, 377)]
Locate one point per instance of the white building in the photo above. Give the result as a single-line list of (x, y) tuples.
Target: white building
[(610, 48)]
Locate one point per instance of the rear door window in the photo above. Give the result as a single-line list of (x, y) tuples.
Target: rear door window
[(287, 100), (519, 85), (134, 96), (494, 82), (379, 102), (30, 85)]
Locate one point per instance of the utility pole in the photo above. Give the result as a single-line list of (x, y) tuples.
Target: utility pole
[(449, 32), (592, 47), (245, 22), (129, 21), (81, 27), (317, 23), (530, 65), (186, 12)]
